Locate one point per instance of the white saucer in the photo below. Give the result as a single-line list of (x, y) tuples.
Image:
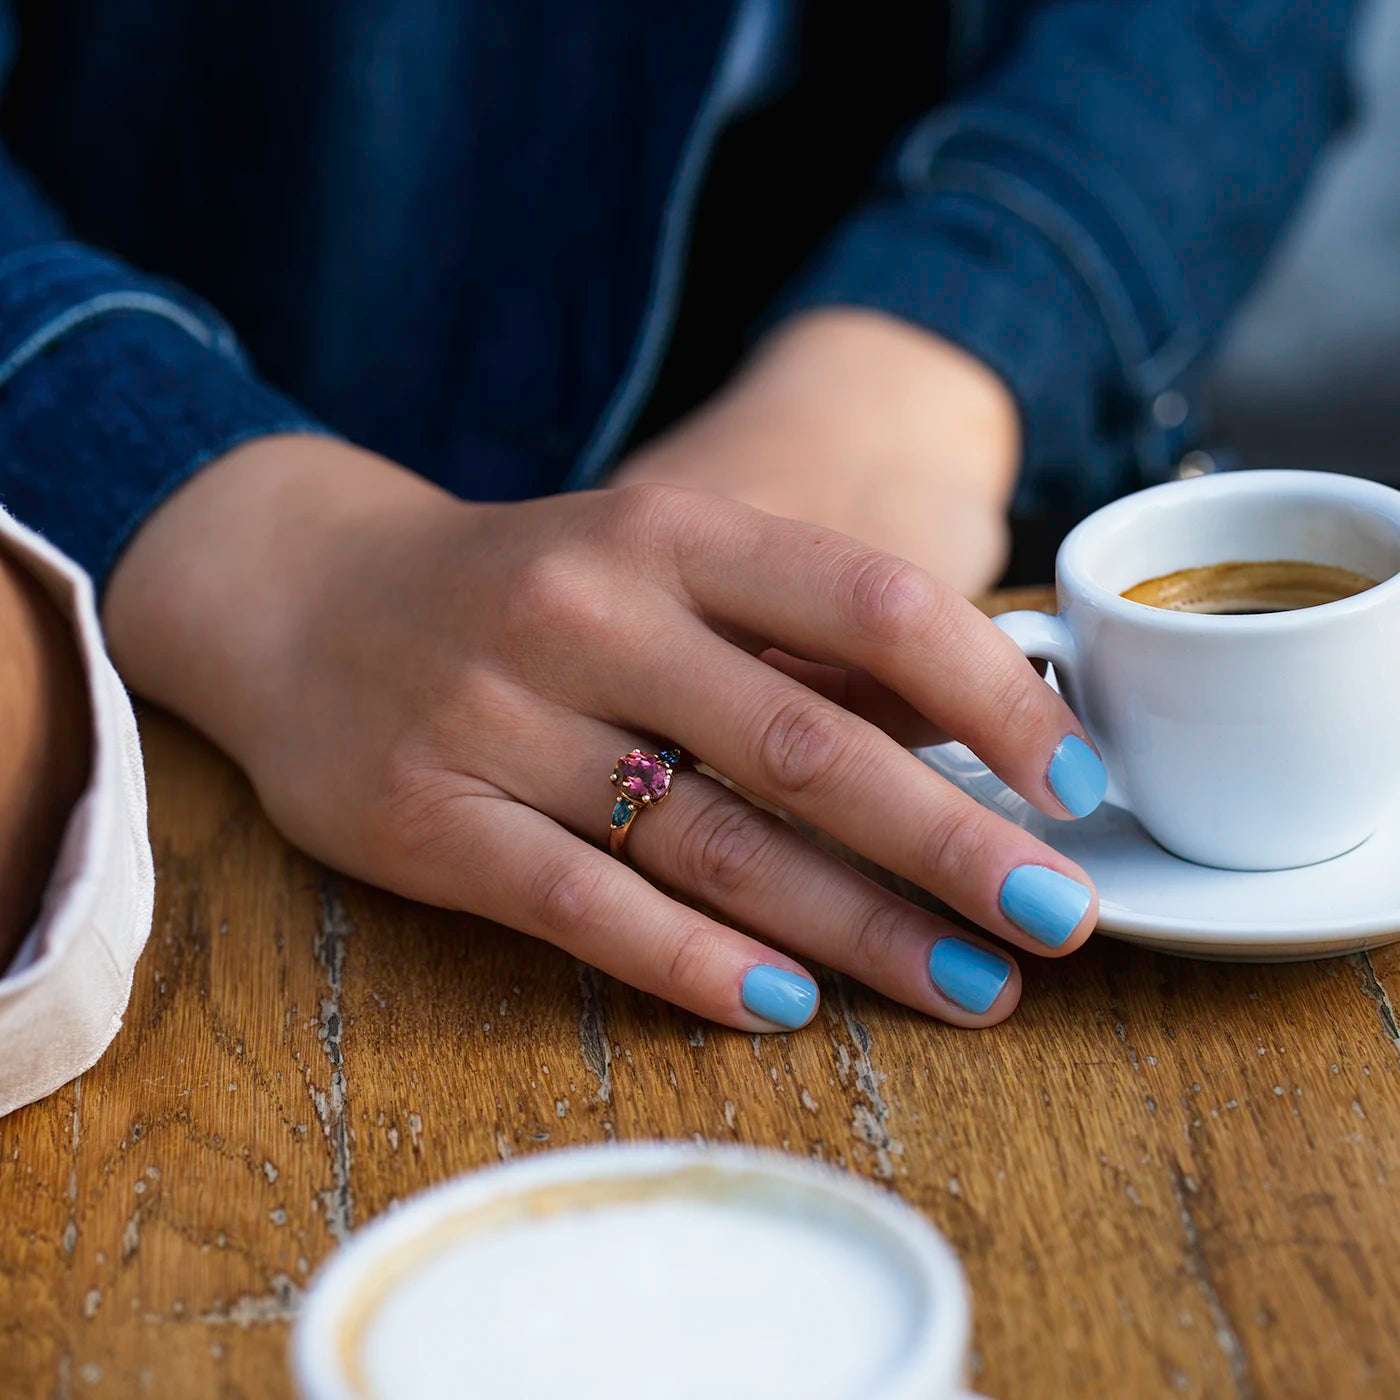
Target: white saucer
[(1149, 896)]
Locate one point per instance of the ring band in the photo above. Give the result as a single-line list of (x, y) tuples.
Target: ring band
[(642, 780)]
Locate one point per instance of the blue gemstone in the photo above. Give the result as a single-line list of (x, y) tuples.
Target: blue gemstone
[(670, 757), (622, 810)]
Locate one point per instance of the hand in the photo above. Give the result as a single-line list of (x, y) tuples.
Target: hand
[(864, 424), (430, 695)]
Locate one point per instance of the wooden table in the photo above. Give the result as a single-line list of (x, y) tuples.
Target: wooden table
[(1164, 1177)]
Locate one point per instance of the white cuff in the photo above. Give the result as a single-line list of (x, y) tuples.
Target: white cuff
[(62, 998)]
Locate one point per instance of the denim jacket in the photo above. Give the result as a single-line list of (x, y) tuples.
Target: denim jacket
[(455, 231)]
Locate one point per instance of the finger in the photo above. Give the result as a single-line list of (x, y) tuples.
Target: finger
[(709, 843), (529, 873), (822, 596), (861, 694), (807, 756)]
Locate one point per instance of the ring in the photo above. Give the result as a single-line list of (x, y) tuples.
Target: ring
[(642, 780)]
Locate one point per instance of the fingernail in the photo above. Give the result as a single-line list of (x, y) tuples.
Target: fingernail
[(1077, 776), (779, 996), (1046, 904), (970, 975)]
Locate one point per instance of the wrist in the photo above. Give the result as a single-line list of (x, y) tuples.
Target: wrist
[(209, 610)]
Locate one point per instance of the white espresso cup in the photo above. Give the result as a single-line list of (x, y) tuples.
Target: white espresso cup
[(1252, 742)]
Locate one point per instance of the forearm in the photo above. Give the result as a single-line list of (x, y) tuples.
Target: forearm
[(860, 422), (45, 757), (844, 383)]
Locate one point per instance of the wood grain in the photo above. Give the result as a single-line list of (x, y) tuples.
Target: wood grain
[(1164, 1177)]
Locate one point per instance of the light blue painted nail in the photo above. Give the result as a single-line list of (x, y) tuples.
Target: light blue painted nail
[(1046, 904), (1077, 776), (779, 996), (969, 975)]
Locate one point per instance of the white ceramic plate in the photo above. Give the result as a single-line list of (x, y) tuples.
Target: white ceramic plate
[(1149, 896)]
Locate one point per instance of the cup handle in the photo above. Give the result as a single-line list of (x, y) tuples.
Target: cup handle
[(1041, 636), (1045, 637)]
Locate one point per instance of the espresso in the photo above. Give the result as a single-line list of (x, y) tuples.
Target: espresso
[(1245, 589)]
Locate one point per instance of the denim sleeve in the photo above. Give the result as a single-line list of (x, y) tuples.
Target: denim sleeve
[(114, 386), (1085, 214)]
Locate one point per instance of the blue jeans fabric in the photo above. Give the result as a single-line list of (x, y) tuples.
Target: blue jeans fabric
[(455, 232)]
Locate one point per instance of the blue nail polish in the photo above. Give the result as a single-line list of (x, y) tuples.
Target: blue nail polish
[(969, 975), (1046, 904), (779, 996), (1077, 776)]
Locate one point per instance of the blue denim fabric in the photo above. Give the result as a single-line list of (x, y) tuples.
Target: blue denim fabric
[(455, 232)]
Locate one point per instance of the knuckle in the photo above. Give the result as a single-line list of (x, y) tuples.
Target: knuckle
[(1017, 702), (951, 619), (556, 594), (799, 746), (481, 698), (414, 815), (726, 845), (956, 843), (690, 957), (889, 598), (879, 931), (565, 893)]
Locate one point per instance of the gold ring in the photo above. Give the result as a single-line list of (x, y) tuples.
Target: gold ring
[(642, 780)]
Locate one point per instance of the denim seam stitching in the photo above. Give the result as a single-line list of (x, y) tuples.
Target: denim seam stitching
[(105, 304), (668, 273), (59, 256), (923, 146), (1075, 245)]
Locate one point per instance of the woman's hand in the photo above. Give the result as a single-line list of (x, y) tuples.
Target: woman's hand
[(430, 695), (859, 422)]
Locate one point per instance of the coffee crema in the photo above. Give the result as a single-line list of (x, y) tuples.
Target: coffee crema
[(1243, 589)]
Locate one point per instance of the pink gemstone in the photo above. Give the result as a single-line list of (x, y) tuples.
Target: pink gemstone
[(640, 775)]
